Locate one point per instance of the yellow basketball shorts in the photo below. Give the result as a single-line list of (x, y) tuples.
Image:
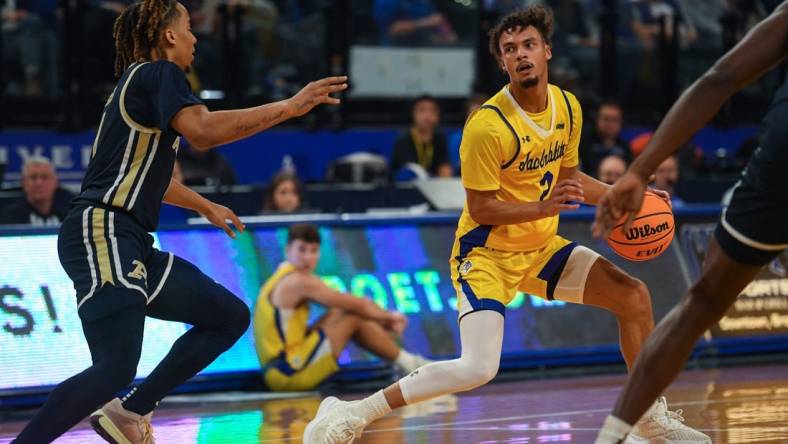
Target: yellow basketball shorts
[(302, 367), (488, 279)]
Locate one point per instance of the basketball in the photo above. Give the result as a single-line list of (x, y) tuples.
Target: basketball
[(650, 234)]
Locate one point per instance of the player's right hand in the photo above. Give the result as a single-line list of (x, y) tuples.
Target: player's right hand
[(567, 195), (623, 199), (316, 93)]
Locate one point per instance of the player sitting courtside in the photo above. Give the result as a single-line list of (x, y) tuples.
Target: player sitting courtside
[(519, 159), (299, 357)]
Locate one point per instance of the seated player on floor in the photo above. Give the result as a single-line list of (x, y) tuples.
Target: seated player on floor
[(297, 356)]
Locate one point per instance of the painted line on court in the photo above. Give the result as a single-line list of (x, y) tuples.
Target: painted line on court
[(454, 425), (570, 413)]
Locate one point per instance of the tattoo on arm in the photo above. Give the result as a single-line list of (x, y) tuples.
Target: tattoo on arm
[(248, 127), (244, 128)]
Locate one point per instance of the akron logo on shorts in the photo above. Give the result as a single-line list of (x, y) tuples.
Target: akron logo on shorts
[(139, 271), (465, 267)]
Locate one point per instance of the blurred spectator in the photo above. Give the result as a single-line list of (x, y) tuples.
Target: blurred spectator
[(44, 203), (639, 142), (98, 21), (455, 138), (30, 46), (575, 41), (604, 139), (703, 21), (667, 176), (646, 16), (611, 168), (285, 194), (424, 144), (205, 167), (412, 23)]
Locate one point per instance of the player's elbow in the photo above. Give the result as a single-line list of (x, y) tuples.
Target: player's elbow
[(201, 140), (479, 212)]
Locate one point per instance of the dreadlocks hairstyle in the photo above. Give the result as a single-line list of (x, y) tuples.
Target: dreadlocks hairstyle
[(138, 29), (538, 16)]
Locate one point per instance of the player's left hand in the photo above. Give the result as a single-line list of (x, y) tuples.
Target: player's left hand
[(316, 93), (624, 198), (218, 215), (662, 194)]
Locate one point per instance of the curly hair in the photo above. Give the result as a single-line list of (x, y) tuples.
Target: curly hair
[(138, 28), (538, 16)]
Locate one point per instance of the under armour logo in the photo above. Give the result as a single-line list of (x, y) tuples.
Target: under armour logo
[(526, 139), (139, 271), (560, 126), (414, 373)]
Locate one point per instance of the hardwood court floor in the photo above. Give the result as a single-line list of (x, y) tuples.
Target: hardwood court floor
[(734, 405)]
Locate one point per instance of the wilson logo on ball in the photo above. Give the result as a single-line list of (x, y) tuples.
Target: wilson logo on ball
[(646, 231), (649, 235)]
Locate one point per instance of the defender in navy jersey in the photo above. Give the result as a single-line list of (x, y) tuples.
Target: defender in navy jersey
[(104, 243), (752, 231)]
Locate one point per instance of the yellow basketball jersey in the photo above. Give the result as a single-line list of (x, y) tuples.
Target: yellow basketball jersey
[(278, 330), (518, 155)]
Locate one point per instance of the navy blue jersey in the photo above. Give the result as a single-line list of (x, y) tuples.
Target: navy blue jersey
[(766, 170), (135, 147)]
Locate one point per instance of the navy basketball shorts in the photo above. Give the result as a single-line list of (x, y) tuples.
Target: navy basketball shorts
[(111, 261), (753, 230)]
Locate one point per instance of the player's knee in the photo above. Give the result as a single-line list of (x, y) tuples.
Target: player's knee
[(640, 302), (118, 372), (480, 372), (237, 317)]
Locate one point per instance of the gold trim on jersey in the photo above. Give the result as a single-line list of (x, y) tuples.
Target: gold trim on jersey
[(121, 102), (89, 250), (118, 266), (151, 155), (98, 220), (101, 124), (140, 151), (122, 169)]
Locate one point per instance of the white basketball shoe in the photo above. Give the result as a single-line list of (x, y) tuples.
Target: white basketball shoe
[(662, 426), (333, 424)]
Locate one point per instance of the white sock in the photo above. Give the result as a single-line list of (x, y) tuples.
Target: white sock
[(371, 407), (613, 431), (408, 361)]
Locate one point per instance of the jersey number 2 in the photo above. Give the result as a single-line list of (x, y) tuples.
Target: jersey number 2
[(547, 180)]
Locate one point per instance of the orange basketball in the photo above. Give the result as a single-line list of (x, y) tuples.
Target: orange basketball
[(650, 234)]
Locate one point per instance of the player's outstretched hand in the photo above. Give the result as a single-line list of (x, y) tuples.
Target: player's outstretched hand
[(316, 93), (219, 215), (567, 195), (623, 199)]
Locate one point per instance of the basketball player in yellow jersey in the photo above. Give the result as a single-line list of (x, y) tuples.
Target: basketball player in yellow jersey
[(519, 157), (297, 356)]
